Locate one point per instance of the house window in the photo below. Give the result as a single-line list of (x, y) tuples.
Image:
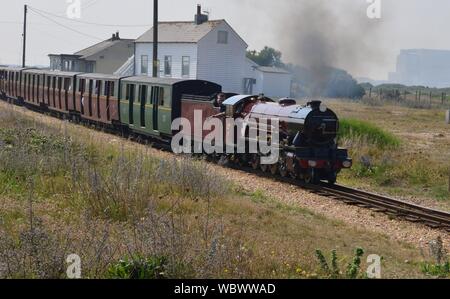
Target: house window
[(222, 37), (186, 66), (144, 64), (167, 65)]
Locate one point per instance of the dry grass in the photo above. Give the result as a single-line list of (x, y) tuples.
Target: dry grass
[(63, 192), (418, 169)]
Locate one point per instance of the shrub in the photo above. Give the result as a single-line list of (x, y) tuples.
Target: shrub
[(139, 268), (436, 270), (353, 268)]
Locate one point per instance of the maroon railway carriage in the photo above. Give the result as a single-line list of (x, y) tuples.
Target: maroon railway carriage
[(60, 91), (10, 83), (32, 87), (96, 98)]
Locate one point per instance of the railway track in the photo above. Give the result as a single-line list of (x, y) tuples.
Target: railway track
[(387, 205), (397, 208)]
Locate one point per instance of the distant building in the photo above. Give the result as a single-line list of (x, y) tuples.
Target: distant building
[(206, 50), (422, 67), (105, 57)]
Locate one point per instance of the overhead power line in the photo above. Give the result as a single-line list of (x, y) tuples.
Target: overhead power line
[(91, 23), (64, 26)]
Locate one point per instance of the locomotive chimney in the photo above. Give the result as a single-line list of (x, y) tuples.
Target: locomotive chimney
[(315, 104)]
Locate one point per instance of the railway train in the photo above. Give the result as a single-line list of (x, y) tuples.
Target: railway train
[(147, 106)]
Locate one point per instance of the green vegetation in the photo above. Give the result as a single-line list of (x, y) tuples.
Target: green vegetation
[(353, 268), (358, 129), (436, 270), (139, 268)]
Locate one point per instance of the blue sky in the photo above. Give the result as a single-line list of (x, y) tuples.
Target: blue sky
[(404, 24)]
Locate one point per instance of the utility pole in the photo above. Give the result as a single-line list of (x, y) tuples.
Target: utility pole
[(25, 11), (155, 38)]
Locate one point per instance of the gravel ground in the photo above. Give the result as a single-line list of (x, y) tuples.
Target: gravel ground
[(396, 229)]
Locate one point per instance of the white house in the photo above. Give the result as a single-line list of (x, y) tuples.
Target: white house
[(207, 50)]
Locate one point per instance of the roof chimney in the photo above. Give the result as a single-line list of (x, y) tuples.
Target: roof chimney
[(199, 17), (115, 36)]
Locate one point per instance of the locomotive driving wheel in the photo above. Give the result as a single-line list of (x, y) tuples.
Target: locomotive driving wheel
[(274, 169), (283, 170), (264, 167), (255, 161)]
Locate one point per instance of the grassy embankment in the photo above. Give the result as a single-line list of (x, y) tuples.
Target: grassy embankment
[(129, 214), (396, 150)]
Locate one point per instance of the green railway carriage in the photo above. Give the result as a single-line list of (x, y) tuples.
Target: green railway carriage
[(149, 105)]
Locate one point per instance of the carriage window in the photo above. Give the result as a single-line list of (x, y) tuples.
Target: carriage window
[(59, 83), (106, 88), (161, 96), (167, 97), (82, 85), (130, 92), (143, 94), (91, 86), (98, 87), (111, 89), (122, 90), (67, 85), (54, 82)]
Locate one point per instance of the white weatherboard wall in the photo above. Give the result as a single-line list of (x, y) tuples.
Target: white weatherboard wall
[(222, 63), (276, 84), (176, 50)]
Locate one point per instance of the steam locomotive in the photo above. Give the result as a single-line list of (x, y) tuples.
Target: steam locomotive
[(307, 135), (148, 107)]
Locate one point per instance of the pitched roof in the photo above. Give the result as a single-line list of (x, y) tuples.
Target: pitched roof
[(180, 32), (269, 69), (97, 48)]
